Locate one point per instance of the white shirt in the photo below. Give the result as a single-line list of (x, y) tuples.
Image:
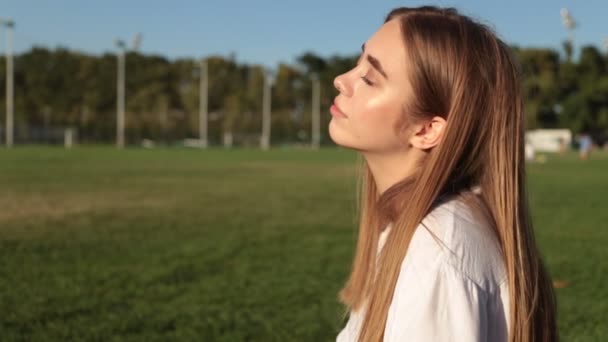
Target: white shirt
[(452, 290)]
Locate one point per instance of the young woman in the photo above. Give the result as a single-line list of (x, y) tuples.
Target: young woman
[(446, 250)]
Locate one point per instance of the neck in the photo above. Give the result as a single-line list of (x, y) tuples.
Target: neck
[(389, 169)]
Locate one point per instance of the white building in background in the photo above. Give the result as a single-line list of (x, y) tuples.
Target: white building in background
[(548, 140)]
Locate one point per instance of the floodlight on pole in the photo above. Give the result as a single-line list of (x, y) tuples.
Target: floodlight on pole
[(136, 42), (569, 23), (316, 111), (567, 19), (9, 128)]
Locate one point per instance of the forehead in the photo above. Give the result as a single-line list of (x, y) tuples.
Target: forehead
[(387, 46)]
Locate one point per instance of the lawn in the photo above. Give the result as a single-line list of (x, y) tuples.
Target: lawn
[(233, 245)]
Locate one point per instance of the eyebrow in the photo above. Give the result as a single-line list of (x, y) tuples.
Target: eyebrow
[(374, 62)]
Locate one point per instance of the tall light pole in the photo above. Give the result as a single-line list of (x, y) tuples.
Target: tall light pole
[(316, 111), (120, 94), (266, 110), (606, 44), (120, 87), (203, 102), (9, 24)]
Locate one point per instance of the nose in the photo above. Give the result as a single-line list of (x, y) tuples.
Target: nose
[(340, 83)]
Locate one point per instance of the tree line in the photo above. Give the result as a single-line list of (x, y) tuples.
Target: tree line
[(64, 88)]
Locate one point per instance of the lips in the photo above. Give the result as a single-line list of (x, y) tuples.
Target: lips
[(336, 111)]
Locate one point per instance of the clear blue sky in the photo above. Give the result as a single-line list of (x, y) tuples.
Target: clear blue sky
[(268, 32)]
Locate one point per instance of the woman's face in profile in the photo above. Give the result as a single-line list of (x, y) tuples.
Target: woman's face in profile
[(372, 94)]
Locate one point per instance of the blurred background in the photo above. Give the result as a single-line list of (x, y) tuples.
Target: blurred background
[(166, 171)]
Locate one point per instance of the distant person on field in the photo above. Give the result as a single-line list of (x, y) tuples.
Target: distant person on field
[(446, 247), (584, 146), (562, 145)]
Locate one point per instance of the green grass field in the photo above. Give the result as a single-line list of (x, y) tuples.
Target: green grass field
[(240, 245)]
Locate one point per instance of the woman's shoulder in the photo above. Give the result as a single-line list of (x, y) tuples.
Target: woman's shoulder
[(453, 234)]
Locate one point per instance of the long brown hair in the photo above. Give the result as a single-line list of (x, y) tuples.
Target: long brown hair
[(463, 72)]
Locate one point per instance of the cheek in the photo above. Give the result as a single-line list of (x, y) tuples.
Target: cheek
[(371, 123), (379, 116)]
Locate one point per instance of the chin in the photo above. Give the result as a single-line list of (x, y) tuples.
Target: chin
[(339, 136), (335, 134)]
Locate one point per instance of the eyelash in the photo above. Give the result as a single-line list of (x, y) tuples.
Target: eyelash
[(364, 78), (367, 81)]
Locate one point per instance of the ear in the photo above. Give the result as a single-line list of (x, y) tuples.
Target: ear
[(428, 134)]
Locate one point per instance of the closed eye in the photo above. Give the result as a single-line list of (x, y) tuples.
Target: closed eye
[(367, 81)]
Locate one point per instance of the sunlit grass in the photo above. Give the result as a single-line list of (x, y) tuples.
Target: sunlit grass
[(150, 245)]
